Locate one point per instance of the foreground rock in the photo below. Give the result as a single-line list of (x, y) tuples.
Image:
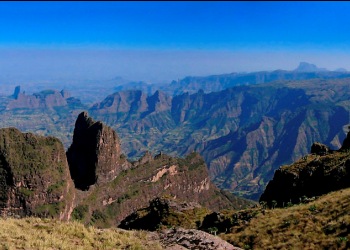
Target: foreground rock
[(180, 238), (34, 176)]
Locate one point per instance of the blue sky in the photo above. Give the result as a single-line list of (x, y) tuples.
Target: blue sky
[(167, 40)]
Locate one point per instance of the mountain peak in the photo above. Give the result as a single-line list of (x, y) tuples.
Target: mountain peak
[(308, 67), (95, 154), (341, 70)]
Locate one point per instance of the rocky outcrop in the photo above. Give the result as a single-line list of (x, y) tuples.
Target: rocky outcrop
[(95, 155), (44, 99), (65, 94), (312, 175), (158, 102), (16, 92), (179, 238), (163, 212), (126, 102), (319, 149), (182, 218), (34, 176), (133, 104)]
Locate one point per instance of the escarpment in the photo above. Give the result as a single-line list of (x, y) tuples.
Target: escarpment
[(34, 176), (115, 187), (315, 174)]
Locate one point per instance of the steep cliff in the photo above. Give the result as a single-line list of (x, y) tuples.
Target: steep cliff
[(35, 179), (315, 174), (34, 176), (114, 187), (95, 155)]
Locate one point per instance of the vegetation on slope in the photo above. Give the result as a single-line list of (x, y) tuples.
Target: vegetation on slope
[(310, 176), (244, 133), (166, 212), (53, 234), (321, 224), (34, 175), (107, 204)]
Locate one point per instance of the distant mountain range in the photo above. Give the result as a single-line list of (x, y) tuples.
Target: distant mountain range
[(244, 137), (220, 82), (244, 133), (308, 67), (250, 125)]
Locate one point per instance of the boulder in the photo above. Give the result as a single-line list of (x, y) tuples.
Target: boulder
[(180, 238), (319, 149)]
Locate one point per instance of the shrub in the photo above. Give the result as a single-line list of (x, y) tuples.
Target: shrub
[(79, 213)]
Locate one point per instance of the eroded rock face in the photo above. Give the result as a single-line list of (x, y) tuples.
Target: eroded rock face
[(95, 155), (34, 176)]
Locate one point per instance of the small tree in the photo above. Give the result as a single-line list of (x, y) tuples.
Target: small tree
[(274, 203), (263, 204), (213, 230)]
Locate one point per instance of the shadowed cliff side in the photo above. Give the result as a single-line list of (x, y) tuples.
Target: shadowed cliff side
[(95, 154)]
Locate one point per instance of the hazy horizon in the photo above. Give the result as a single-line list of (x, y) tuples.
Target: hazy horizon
[(159, 42)]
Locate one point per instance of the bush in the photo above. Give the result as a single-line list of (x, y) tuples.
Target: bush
[(79, 213)]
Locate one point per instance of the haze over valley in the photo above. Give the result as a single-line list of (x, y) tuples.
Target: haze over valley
[(182, 125), (244, 125)]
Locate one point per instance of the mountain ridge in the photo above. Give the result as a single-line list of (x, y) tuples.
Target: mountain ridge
[(308, 67), (240, 131), (242, 119), (37, 176)]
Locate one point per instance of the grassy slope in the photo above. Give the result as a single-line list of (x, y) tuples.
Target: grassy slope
[(35, 233), (321, 224)]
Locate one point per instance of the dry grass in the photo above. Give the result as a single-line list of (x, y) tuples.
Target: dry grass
[(322, 224), (35, 233)]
